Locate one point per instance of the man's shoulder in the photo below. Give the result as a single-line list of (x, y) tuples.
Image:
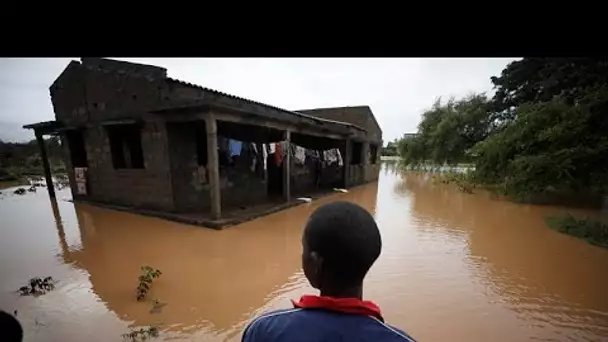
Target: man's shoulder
[(266, 321), (273, 315), (277, 323), (396, 332)]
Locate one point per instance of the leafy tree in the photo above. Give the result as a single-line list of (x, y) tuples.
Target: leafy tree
[(21, 158), (533, 80), (391, 148), (550, 147), (448, 131)]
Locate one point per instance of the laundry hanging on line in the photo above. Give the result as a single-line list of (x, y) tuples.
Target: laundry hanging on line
[(300, 155), (235, 147)]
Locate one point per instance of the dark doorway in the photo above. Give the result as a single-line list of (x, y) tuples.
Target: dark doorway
[(275, 176), (78, 153)]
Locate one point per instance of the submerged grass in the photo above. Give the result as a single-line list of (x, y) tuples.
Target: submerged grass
[(462, 180), (593, 231)]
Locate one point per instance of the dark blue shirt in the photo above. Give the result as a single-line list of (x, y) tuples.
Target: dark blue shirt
[(314, 325)]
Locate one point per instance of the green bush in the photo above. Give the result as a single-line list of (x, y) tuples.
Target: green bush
[(595, 232)]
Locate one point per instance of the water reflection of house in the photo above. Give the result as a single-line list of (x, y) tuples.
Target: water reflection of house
[(211, 281), (138, 139)]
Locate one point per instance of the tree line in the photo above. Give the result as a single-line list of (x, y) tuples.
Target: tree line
[(544, 131), (21, 159)]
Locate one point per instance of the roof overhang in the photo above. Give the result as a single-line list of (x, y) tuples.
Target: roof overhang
[(45, 127), (320, 124)]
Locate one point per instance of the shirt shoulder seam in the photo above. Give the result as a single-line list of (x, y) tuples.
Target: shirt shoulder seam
[(407, 338), (270, 314)]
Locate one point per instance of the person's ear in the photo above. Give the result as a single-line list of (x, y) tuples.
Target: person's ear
[(317, 261)]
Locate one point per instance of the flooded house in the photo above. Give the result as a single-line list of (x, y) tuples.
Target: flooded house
[(138, 140)]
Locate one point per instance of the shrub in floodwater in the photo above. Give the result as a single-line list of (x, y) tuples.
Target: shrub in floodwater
[(141, 334), (37, 286), (460, 179), (594, 232), (20, 191), (145, 281)]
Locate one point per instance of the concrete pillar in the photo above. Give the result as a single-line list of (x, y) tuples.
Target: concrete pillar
[(346, 160), (45, 164), (287, 167), (365, 161), (213, 167), (365, 153)]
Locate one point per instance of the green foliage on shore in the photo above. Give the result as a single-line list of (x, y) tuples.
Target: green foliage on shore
[(448, 131), (390, 149), (593, 231), (543, 133), (20, 159)]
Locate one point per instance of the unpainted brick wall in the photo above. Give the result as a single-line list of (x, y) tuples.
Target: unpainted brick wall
[(190, 189), (144, 188), (360, 116), (96, 92), (240, 186)]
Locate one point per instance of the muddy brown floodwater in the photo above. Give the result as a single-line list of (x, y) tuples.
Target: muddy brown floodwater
[(454, 266)]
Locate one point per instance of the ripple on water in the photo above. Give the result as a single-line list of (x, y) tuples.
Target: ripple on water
[(454, 266)]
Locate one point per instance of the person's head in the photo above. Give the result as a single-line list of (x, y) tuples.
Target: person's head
[(11, 328), (340, 243)]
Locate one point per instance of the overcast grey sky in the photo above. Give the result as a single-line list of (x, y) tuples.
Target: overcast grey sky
[(397, 90)]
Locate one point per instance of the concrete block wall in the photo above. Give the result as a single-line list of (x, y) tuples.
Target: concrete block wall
[(302, 177), (189, 181), (145, 188), (240, 186), (98, 90), (361, 116)]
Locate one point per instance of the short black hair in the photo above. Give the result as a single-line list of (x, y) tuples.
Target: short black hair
[(10, 328), (347, 238)]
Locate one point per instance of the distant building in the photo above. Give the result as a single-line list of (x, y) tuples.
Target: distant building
[(136, 139)]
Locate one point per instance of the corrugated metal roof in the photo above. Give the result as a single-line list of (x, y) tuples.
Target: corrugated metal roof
[(311, 117)]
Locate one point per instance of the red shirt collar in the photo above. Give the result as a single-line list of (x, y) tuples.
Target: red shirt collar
[(347, 305)]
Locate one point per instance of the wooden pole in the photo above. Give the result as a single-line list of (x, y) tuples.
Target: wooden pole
[(213, 167), (45, 164), (287, 167)]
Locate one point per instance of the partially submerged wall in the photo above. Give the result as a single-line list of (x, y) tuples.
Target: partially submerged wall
[(149, 187), (241, 185), (190, 181)]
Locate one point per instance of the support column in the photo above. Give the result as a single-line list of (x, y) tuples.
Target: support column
[(365, 161), (287, 167), (213, 167), (346, 160), (45, 164)]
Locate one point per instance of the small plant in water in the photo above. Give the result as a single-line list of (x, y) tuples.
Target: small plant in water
[(37, 286), (145, 281), (141, 334)]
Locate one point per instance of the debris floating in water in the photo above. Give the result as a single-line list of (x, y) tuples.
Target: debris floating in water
[(19, 191), (157, 306), (340, 190), (305, 199), (37, 286), (141, 334)]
